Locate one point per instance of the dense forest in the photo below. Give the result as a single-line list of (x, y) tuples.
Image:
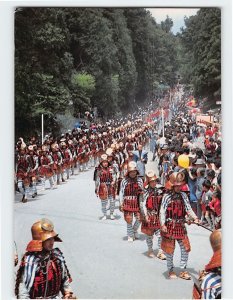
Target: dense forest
[(70, 60)]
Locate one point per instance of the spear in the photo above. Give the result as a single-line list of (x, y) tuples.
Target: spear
[(198, 224)]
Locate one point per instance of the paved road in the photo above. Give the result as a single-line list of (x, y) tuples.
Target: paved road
[(101, 261)]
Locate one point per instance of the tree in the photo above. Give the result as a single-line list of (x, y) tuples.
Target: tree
[(201, 43), (69, 60), (43, 67), (83, 87), (167, 24)]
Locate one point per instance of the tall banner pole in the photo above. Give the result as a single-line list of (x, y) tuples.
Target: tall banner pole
[(42, 128), (163, 122)]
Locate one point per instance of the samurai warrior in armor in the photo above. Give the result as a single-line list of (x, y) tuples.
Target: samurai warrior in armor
[(150, 214), (105, 182), (43, 273), (174, 208), (131, 198), (22, 169)]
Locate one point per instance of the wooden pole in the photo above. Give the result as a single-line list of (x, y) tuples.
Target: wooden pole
[(163, 122), (42, 128)]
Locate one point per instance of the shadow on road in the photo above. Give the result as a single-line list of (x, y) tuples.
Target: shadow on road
[(178, 270)]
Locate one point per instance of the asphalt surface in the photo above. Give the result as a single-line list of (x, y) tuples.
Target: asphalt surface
[(103, 264)]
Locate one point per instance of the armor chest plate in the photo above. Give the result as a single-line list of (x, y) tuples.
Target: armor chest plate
[(153, 201), (32, 161), (80, 150), (22, 163), (44, 160), (55, 157), (48, 279), (176, 209), (132, 188), (106, 175)]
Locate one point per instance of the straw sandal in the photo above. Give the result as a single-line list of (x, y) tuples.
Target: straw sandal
[(185, 275), (172, 275)]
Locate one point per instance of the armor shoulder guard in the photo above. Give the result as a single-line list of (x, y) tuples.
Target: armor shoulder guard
[(140, 181), (184, 195), (57, 252)]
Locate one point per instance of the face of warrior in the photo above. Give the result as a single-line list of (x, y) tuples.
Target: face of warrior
[(132, 174), (105, 164), (177, 188), (48, 244), (152, 184), (22, 152)]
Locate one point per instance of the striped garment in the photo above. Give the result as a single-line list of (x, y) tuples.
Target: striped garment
[(145, 197), (183, 258), (211, 286), (149, 240), (32, 263), (133, 228), (165, 202)]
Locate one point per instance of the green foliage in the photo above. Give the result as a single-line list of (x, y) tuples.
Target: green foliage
[(83, 87), (84, 81), (68, 60), (167, 24), (201, 52)]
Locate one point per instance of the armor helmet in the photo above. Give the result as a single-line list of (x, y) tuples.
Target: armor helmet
[(23, 147), (54, 146), (30, 148), (103, 158), (63, 144), (132, 166), (41, 231), (109, 152), (177, 179), (151, 176)]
